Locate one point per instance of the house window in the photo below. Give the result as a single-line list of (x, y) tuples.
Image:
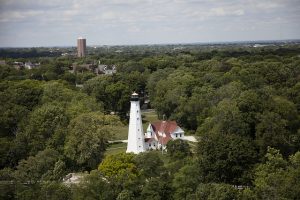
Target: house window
[(180, 135), (150, 145), (176, 135)]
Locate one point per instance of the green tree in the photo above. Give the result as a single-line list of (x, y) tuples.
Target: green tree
[(87, 138), (178, 149), (38, 168), (119, 167), (185, 181), (149, 164), (272, 131), (17, 99), (157, 188), (278, 178), (40, 126), (226, 158), (113, 93), (93, 186), (173, 91), (226, 119), (125, 195), (55, 191), (219, 191)]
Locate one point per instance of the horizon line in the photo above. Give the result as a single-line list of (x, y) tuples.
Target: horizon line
[(154, 44)]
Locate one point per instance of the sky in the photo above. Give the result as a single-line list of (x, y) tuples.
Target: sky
[(35, 23)]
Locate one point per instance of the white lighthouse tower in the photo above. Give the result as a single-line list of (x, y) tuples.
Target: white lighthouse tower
[(136, 140)]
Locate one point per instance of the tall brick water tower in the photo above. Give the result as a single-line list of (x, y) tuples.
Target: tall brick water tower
[(81, 47)]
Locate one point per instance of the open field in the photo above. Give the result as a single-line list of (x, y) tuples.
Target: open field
[(116, 148), (121, 132), (149, 116)]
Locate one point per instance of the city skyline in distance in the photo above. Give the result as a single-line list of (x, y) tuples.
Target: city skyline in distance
[(56, 23)]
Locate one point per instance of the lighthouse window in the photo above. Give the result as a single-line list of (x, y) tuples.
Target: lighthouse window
[(139, 146), (138, 118), (137, 111), (139, 130)]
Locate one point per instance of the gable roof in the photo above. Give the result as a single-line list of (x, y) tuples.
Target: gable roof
[(166, 127), (149, 140)]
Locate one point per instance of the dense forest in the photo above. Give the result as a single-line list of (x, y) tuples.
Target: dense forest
[(242, 103)]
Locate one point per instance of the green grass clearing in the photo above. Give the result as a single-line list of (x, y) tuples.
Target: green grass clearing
[(116, 148), (121, 132), (112, 151)]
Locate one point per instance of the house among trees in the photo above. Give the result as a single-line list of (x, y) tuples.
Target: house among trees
[(106, 69), (30, 65), (160, 133)]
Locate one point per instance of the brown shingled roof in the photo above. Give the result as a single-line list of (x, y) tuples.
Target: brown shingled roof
[(166, 127), (148, 140)]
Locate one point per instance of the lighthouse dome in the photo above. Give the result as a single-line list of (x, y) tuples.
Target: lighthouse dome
[(134, 97)]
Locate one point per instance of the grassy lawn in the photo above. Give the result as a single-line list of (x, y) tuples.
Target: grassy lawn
[(111, 151), (193, 146), (149, 117), (121, 132), (116, 148)]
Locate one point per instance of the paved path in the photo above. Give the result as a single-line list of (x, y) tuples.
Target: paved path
[(148, 111), (114, 141), (116, 148), (190, 138)]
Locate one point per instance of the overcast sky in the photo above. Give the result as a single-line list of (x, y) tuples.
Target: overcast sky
[(109, 22)]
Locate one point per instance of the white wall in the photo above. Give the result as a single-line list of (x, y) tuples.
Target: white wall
[(136, 139), (179, 132)]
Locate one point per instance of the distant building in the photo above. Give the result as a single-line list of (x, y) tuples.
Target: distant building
[(29, 65), (18, 65), (94, 68), (106, 69), (81, 47)]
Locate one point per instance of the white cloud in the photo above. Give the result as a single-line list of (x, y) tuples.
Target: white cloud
[(173, 20), (220, 11)]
